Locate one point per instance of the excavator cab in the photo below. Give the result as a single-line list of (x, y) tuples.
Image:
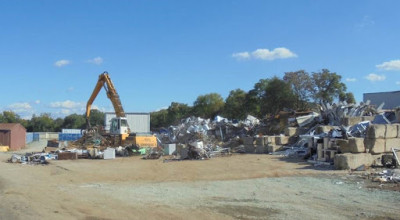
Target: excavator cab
[(119, 126)]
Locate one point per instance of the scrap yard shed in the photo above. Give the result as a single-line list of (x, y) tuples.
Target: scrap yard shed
[(12, 135)]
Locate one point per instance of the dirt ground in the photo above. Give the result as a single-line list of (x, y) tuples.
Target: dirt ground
[(236, 187)]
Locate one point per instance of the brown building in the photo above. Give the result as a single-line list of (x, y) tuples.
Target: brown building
[(12, 135)]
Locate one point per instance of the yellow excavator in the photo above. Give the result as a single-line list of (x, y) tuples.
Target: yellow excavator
[(119, 129)]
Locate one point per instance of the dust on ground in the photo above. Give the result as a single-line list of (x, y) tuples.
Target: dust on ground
[(237, 187)]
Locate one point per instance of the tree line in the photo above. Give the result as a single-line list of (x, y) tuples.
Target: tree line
[(297, 90), (44, 121)]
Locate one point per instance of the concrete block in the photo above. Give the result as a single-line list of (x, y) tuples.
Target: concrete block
[(249, 148), (356, 145), (391, 131), (350, 121), (109, 154), (323, 129), (375, 146), (291, 131), (281, 140), (269, 140), (398, 130), (352, 161), (392, 143), (320, 153), (367, 118), (261, 149), (273, 148), (248, 140), (260, 141), (376, 131), (343, 145)]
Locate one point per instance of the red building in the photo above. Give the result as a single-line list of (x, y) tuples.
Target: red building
[(12, 135)]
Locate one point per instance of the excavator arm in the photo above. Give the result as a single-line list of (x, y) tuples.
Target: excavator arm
[(105, 81)]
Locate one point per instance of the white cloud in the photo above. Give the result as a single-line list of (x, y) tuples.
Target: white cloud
[(70, 89), (265, 54), (20, 105), (351, 79), (96, 60), (60, 63), (277, 53), (390, 65), (365, 22), (397, 82), (37, 101), (68, 104), (241, 55), (23, 109), (375, 77)]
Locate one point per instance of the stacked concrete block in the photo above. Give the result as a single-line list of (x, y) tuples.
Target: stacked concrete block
[(382, 138), (367, 118), (352, 145), (343, 145), (375, 146), (323, 129), (269, 139), (350, 121), (392, 143), (273, 148), (391, 131), (375, 139), (281, 140), (353, 161), (376, 131), (291, 131)]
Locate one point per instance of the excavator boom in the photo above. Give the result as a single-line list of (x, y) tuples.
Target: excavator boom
[(105, 81)]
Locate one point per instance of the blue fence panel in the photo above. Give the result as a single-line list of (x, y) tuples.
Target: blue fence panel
[(29, 137), (36, 137), (68, 137)]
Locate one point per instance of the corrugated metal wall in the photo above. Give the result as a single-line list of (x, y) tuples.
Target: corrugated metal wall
[(391, 99), (138, 122)]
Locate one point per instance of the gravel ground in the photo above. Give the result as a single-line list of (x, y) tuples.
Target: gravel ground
[(237, 187)]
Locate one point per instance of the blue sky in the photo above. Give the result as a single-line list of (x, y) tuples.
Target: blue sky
[(156, 52)]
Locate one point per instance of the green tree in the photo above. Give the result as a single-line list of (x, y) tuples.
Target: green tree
[(301, 84), (159, 119), (74, 121), (278, 95), (327, 86), (235, 105), (41, 123), (96, 118), (9, 117), (348, 97), (177, 111), (58, 123), (209, 105), (254, 103)]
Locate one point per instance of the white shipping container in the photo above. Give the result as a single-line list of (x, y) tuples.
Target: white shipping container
[(138, 122), (71, 131)]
